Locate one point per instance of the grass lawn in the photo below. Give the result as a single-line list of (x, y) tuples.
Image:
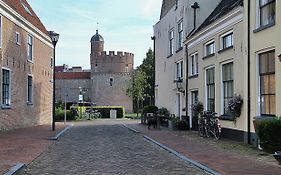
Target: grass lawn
[(132, 116)]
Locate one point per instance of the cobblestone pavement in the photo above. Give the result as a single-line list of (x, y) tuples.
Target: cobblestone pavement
[(95, 148)]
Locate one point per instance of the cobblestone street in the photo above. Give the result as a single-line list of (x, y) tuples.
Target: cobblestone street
[(96, 148)]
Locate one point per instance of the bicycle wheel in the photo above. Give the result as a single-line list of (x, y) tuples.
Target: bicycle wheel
[(207, 131), (200, 130), (217, 132)]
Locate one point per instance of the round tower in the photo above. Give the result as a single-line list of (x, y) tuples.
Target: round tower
[(97, 44)]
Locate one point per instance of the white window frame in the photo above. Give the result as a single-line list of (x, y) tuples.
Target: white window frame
[(1, 30), (171, 35), (32, 48), (194, 67), (10, 88), (258, 15), (205, 83), (179, 72), (180, 34), (32, 90), (222, 87), (18, 38), (225, 35), (205, 48)]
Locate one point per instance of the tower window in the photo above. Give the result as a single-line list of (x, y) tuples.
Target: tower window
[(111, 81)]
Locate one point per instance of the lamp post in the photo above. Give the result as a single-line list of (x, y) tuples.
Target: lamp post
[(54, 37)]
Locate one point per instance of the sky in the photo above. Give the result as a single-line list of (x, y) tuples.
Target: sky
[(126, 25)]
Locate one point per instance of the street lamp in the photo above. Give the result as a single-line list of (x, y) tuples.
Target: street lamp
[(54, 37), (179, 83)]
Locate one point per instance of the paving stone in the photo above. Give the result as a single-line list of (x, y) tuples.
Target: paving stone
[(94, 148)]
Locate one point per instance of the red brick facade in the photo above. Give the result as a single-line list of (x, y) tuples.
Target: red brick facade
[(36, 108)]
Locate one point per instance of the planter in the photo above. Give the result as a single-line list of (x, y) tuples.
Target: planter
[(277, 156), (171, 125)]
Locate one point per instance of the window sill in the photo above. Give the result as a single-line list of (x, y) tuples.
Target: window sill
[(29, 103), (226, 117), (264, 27), (170, 56), (193, 76), (225, 49), (179, 49), (30, 61), (208, 56), (6, 107)]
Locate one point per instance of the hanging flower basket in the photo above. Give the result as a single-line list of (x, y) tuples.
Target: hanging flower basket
[(234, 107)]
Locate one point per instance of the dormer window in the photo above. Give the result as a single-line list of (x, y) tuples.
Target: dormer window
[(26, 8)]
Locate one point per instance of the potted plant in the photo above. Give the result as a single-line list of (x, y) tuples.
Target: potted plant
[(234, 107)]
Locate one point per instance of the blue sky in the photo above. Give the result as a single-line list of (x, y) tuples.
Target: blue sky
[(126, 25)]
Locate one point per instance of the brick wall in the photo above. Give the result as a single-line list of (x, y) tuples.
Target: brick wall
[(14, 57)]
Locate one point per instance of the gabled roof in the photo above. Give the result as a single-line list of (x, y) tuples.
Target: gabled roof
[(222, 9), (24, 9), (166, 7)]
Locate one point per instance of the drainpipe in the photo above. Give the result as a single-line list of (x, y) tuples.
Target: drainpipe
[(195, 6), (249, 77)]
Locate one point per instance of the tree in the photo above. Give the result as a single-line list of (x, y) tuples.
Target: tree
[(148, 67), (137, 88)]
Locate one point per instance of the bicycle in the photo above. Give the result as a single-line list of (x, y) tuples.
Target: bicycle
[(209, 125), (91, 114)]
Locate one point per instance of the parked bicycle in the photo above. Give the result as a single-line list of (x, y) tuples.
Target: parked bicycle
[(91, 114), (208, 125)]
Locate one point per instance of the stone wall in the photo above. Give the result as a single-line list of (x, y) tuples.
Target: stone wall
[(111, 93), (70, 89)]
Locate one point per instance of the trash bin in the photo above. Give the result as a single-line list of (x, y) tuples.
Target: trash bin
[(113, 114)]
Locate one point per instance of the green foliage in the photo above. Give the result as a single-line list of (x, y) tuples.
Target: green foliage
[(59, 115), (147, 67), (136, 88), (105, 111), (163, 111), (179, 124), (150, 109), (269, 132)]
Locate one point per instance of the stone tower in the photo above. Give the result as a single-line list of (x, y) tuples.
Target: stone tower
[(110, 74)]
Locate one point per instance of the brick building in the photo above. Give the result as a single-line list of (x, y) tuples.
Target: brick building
[(105, 84), (26, 67)]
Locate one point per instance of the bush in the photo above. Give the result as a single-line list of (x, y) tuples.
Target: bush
[(163, 112), (59, 115), (150, 109), (269, 132), (105, 111)]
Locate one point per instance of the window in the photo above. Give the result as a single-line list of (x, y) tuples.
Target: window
[(127, 68), (179, 70), (26, 8), (111, 81), (267, 83), (30, 47), (210, 88), (180, 30), (29, 89), (194, 64), (17, 38), (51, 62), (6, 87), (227, 40), (267, 12), (210, 48), (194, 100), (0, 31), (171, 42), (227, 81)]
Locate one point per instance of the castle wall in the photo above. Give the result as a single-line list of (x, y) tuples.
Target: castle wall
[(70, 89), (107, 93), (112, 62)]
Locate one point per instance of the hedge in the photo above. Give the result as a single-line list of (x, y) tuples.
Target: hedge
[(105, 110), (59, 115), (150, 109), (269, 132)]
